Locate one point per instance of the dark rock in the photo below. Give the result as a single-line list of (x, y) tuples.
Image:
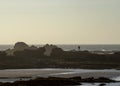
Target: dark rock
[(102, 84), (20, 45)]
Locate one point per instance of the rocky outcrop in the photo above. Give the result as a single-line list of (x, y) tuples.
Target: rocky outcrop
[(50, 56), (32, 47), (49, 49), (57, 81), (20, 46)]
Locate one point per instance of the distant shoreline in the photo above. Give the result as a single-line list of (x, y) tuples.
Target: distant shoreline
[(67, 47), (24, 56)]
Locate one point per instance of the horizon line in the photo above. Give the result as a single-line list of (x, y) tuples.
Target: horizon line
[(64, 44)]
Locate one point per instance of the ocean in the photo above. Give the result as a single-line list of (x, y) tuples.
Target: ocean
[(75, 47)]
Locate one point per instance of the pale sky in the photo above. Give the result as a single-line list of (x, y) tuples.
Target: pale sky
[(60, 21)]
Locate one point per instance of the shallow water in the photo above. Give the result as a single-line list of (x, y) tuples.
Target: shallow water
[(11, 75), (99, 84)]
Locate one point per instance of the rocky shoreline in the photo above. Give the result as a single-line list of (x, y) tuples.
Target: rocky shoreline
[(57, 81), (23, 56)]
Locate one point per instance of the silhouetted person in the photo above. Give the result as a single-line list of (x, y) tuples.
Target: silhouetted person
[(78, 48)]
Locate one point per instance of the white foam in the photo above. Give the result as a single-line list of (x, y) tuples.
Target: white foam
[(116, 78)]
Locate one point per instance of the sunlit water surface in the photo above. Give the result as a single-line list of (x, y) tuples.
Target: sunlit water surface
[(11, 75)]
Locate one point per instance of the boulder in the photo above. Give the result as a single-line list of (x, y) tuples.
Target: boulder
[(21, 46)]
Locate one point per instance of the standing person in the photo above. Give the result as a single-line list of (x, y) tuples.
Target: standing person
[(78, 48)]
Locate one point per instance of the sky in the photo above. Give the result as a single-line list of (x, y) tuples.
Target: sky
[(60, 21)]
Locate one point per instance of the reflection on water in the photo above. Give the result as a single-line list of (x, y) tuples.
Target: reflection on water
[(100, 84), (11, 80), (12, 75), (116, 78)]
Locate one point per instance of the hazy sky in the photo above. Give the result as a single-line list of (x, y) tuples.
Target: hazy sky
[(60, 21)]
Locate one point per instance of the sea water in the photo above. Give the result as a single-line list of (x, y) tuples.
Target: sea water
[(99, 84), (11, 75), (75, 47)]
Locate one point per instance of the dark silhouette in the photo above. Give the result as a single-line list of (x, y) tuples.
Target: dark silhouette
[(102, 85), (57, 58), (78, 48), (56, 81)]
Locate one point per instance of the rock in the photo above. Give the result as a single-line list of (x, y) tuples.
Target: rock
[(21, 46), (49, 49), (33, 47), (77, 78), (102, 84), (10, 52)]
